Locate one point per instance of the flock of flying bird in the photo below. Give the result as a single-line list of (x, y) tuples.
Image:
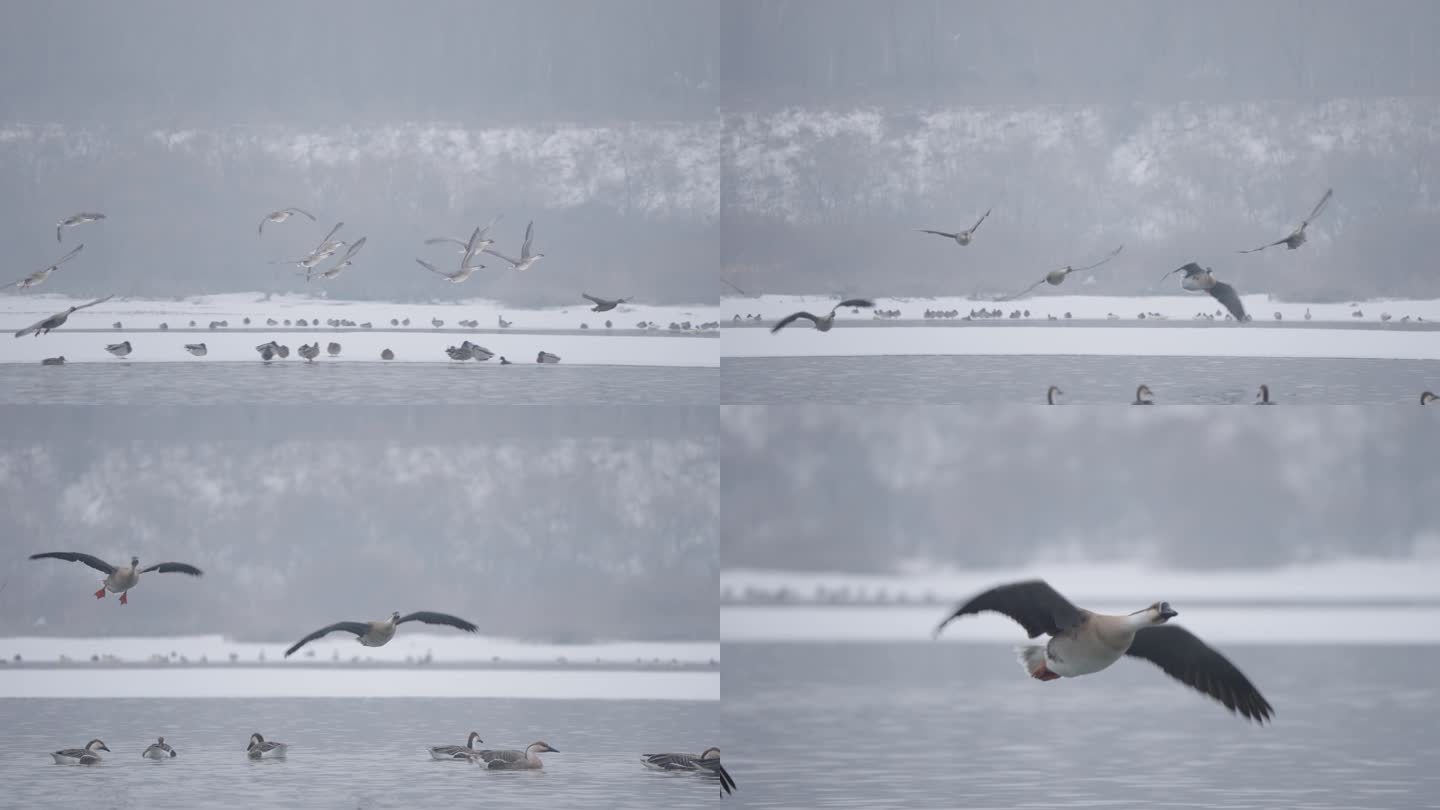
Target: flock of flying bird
[(122, 578)]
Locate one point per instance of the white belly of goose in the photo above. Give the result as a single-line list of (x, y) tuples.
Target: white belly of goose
[(1070, 658)]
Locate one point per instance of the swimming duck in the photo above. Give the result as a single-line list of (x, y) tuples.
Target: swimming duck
[(159, 750), (1426, 397), (1051, 393), (118, 579), (57, 320), (517, 760), (1263, 395), (824, 322), (603, 304), (280, 216), (119, 349), (260, 748), (547, 357), (1297, 236), (527, 259), (707, 762), (466, 751), (1198, 279), (1083, 642), (1142, 395), (53, 361), (378, 633), (77, 219), (1057, 277), (38, 277), (80, 756), (962, 238)]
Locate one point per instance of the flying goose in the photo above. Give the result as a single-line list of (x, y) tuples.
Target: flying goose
[(80, 756), (547, 358), (466, 751), (322, 251), (1426, 397), (962, 238), (118, 579), (708, 762), (1083, 642), (1143, 395), (1057, 277), (457, 277), (824, 322), (476, 243), (77, 219), (517, 760), (57, 320), (119, 349), (1297, 236), (260, 748), (1199, 279), (603, 304), (345, 261), (280, 216), (527, 259), (1051, 393), (1263, 395), (197, 349), (158, 750), (38, 277), (378, 633)]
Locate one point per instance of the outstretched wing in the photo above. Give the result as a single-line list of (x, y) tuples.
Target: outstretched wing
[(330, 234), (976, 226), (1035, 605), (1023, 292), (298, 211), (1262, 247), (593, 299), (1188, 268), (1187, 659), (726, 782), (75, 556), (1320, 206), (733, 287), (529, 238), (450, 239), (937, 233), (173, 568), (358, 628), (1226, 295), (429, 617), (470, 247), (498, 254), (431, 268), (93, 303), (353, 249), (855, 302), (1112, 254), (68, 256), (789, 319)]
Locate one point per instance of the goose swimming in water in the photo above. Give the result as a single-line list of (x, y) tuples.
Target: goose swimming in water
[(119, 349), (261, 748), (517, 760), (1142, 395), (378, 633), (527, 259), (118, 579), (80, 756), (824, 322), (77, 219), (1083, 642), (197, 349), (1199, 279), (38, 277), (466, 751), (1297, 236), (57, 320), (1426, 397), (1051, 393), (547, 358), (280, 216), (962, 238), (1057, 277), (1263, 395), (708, 762), (603, 304), (159, 750)]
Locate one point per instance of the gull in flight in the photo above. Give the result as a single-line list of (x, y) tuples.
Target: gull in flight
[(72, 221), (1083, 642), (38, 277), (477, 242), (1297, 236), (280, 216), (344, 262), (964, 237), (527, 259), (57, 320), (603, 304), (1057, 277), (470, 249), (823, 322), (1198, 279), (378, 633)]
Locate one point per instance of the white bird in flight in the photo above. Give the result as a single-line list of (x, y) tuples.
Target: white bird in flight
[(77, 219), (527, 259), (280, 216), (38, 277)]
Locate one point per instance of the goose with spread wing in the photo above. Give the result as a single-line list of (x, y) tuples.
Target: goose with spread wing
[(118, 578), (964, 237), (345, 261), (822, 323), (1083, 642), (57, 320), (603, 304), (1057, 277), (38, 277), (76, 219), (1202, 279), (280, 216), (378, 633), (708, 762), (1297, 236), (527, 259)]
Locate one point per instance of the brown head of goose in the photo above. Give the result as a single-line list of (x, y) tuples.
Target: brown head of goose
[(378, 633), (822, 323), (708, 762), (118, 579), (1083, 642)]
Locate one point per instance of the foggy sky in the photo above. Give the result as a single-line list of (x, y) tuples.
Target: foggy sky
[(558, 535), (862, 489)]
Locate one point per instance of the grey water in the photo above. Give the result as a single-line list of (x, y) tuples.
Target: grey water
[(351, 753), (965, 379), (375, 383), (959, 725)]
